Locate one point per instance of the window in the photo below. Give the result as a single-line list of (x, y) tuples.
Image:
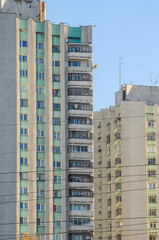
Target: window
[(40, 90), (56, 78), (55, 48), (151, 124), (57, 237), (40, 192), (79, 120), (78, 163), (151, 173), (152, 186), (76, 148), (152, 224), (40, 221), (40, 207), (118, 186), (118, 199), (151, 161), (55, 63), (40, 104), (40, 75), (151, 148), (80, 193), (23, 146), (40, 46), (23, 220), (56, 107), (23, 176), (80, 221), (24, 88), (23, 58), (153, 238), (40, 118), (24, 161), (152, 199), (40, 133), (109, 202), (79, 48), (79, 92), (80, 207), (80, 134), (56, 135), (56, 92), (40, 177), (152, 212), (57, 179), (41, 236), (24, 117), (24, 73), (56, 164), (57, 121), (79, 77), (23, 190), (118, 211), (23, 131), (79, 106), (40, 60), (40, 162), (23, 43), (56, 149), (24, 102), (24, 205), (57, 208), (57, 193), (74, 63), (57, 223), (117, 161), (40, 148)]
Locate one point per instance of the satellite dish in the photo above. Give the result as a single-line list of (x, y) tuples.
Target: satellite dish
[(95, 66)]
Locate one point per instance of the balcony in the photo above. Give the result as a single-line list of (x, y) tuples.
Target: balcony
[(79, 51)]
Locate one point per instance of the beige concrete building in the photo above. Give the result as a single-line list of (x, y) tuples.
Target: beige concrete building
[(46, 110), (126, 144)]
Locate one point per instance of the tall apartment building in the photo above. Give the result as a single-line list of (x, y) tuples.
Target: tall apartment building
[(126, 153), (46, 186)]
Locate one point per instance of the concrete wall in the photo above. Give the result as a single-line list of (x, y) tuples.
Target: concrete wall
[(8, 127), (24, 9), (147, 94)]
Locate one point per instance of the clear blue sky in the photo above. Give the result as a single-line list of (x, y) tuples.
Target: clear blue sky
[(124, 28)]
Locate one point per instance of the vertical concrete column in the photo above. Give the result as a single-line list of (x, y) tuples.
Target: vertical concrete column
[(18, 130), (63, 36), (32, 126), (48, 131)]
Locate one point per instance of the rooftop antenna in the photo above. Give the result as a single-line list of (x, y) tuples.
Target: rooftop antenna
[(151, 77), (121, 62)]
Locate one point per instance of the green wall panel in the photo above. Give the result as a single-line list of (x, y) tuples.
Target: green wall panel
[(56, 142), (40, 97), (40, 111), (40, 199), (24, 109), (24, 153), (24, 95), (56, 85), (24, 168), (57, 230), (23, 24), (55, 29), (74, 32), (55, 40), (23, 35), (56, 56), (56, 99), (40, 169), (40, 37), (24, 183), (24, 124), (57, 186), (40, 83), (40, 229), (24, 213), (40, 68), (24, 80), (40, 27), (40, 184), (40, 155), (23, 65), (57, 201), (56, 70), (23, 51), (40, 140), (57, 215), (56, 114), (40, 214), (24, 198), (24, 228), (24, 138), (40, 53), (57, 128), (57, 157), (41, 126)]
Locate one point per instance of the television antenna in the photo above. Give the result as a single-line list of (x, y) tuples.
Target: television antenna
[(121, 62)]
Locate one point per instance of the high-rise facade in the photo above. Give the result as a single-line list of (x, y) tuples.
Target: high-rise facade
[(46, 125), (126, 170)]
